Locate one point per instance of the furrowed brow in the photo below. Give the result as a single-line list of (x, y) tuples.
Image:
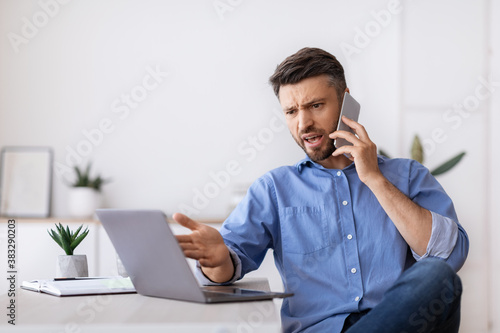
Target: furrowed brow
[(315, 101), (305, 105)]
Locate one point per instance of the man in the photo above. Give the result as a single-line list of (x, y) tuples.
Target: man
[(366, 243)]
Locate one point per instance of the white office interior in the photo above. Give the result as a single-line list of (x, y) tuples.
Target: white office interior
[(170, 101)]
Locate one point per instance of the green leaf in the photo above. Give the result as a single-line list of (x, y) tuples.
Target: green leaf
[(78, 176), (67, 249), (73, 236), (417, 151), (96, 184), (83, 178), (77, 241), (55, 237), (67, 239), (446, 166), (87, 170), (382, 152), (86, 178)]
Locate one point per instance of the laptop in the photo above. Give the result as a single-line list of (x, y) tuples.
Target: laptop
[(156, 264)]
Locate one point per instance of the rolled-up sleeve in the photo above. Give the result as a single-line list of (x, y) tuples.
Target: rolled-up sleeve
[(448, 240), (205, 281), (443, 238)]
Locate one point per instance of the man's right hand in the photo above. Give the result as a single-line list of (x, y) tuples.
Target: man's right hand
[(206, 245)]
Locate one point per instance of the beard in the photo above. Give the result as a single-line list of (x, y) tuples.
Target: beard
[(317, 154)]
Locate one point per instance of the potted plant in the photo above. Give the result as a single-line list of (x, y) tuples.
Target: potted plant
[(417, 153), (85, 193), (70, 265)]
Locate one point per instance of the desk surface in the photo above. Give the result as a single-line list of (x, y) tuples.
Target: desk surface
[(137, 313)]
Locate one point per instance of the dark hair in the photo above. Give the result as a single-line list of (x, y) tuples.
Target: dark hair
[(309, 62)]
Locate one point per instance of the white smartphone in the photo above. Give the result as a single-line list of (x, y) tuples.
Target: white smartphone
[(350, 109)]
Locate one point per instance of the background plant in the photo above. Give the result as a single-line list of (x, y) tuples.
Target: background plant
[(83, 179), (417, 153), (67, 239)]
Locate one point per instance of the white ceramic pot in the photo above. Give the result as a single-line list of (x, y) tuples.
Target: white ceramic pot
[(72, 266), (83, 201)]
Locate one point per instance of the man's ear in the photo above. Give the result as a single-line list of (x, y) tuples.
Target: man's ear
[(347, 90)]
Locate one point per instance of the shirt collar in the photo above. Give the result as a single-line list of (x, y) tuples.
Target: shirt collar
[(307, 162)]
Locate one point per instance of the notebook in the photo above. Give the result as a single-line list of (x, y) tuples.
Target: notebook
[(155, 262), (81, 286)]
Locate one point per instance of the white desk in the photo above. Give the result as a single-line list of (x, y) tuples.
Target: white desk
[(135, 313)]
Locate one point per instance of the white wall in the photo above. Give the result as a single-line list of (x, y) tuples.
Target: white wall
[(409, 74), (209, 109), (445, 60), (493, 225)]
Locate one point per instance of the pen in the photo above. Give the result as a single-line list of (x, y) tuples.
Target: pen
[(78, 278)]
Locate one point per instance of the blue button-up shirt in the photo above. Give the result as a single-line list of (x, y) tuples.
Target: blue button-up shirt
[(334, 245)]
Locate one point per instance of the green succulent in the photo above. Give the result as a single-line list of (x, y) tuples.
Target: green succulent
[(67, 239), (417, 153), (83, 179)]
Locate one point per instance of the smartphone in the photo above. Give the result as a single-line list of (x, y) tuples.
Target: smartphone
[(350, 109)]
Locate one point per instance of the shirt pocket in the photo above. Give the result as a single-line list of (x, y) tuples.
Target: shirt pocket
[(303, 229)]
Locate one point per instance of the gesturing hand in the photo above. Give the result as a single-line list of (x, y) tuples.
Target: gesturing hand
[(363, 151), (206, 245)]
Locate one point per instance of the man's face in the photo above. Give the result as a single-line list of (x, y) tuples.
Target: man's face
[(311, 109)]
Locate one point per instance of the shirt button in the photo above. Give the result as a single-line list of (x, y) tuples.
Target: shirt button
[(353, 270), (357, 298), (344, 203), (349, 236), (339, 173)]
